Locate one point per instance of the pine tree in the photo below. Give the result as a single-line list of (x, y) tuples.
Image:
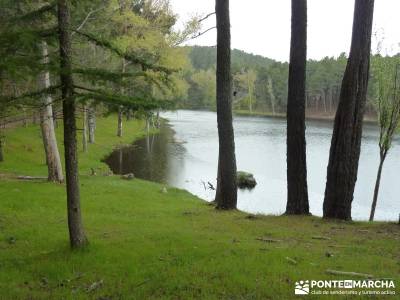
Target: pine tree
[(347, 132), (297, 201), (226, 195)]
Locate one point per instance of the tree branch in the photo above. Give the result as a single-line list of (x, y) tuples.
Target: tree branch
[(206, 17)]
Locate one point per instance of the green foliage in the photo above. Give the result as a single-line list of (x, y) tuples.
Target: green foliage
[(245, 82), (202, 91), (269, 92), (136, 33), (386, 72)]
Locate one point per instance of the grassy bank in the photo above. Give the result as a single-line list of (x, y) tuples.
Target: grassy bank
[(146, 244)]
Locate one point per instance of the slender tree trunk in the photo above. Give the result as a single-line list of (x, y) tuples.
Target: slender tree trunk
[(346, 139), (377, 185), (271, 94), (319, 100), (84, 129), (226, 195), (250, 91), (297, 201), (91, 123), (120, 108), (1, 149), (158, 123), (330, 91), (337, 96), (325, 100), (24, 121), (148, 125), (76, 232), (120, 114), (53, 161), (128, 115)]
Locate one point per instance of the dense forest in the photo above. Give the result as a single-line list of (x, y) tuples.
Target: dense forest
[(260, 83)]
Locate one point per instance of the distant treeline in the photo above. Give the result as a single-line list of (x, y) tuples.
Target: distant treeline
[(260, 83)]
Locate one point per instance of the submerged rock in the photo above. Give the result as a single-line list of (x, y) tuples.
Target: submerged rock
[(245, 180)]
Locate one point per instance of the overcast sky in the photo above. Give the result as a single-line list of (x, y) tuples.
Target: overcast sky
[(263, 26)]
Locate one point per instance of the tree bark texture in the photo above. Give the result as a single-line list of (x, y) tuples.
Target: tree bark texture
[(297, 201), (76, 232), (271, 94), (377, 185), (346, 139), (226, 195), (84, 129), (91, 123), (121, 108), (53, 161), (120, 114)]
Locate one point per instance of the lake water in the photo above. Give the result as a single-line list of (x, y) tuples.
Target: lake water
[(185, 155)]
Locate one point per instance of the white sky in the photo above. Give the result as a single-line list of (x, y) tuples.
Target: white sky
[(263, 26)]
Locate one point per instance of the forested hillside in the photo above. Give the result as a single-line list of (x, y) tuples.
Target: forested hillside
[(260, 83)]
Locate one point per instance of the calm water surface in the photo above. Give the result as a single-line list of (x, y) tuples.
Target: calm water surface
[(185, 154)]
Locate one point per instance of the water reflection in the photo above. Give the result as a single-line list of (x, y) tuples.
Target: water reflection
[(186, 157), (151, 158)]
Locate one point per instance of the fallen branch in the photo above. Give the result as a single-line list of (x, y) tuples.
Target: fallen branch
[(334, 272), (291, 260), (31, 178), (94, 286), (320, 238), (266, 240)]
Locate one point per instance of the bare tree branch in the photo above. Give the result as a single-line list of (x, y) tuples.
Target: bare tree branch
[(194, 36), (206, 17), (87, 19)]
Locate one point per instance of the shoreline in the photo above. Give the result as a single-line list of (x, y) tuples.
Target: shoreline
[(309, 117)]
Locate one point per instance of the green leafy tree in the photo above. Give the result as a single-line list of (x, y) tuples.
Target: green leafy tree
[(387, 72)]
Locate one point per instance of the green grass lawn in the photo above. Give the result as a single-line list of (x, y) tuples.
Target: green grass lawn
[(146, 244)]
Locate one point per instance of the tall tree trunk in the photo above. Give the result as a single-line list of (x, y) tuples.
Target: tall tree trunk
[(346, 139), (377, 185), (271, 94), (76, 232), (326, 91), (84, 129), (24, 120), (53, 161), (147, 125), (158, 123), (92, 123), (226, 195), (120, 108), (120, 114), (250, 91), (330, 92), (297, 201)]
